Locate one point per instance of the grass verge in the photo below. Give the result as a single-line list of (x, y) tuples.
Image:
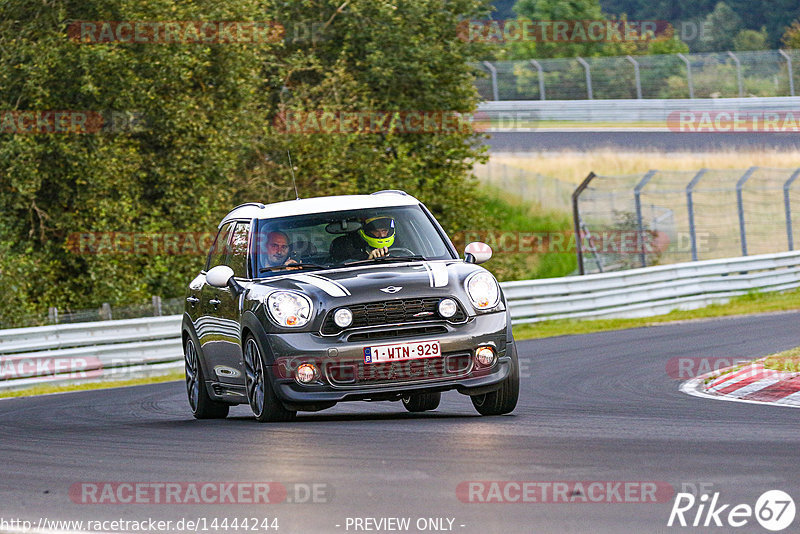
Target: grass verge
[(745, 305), (46, 389)]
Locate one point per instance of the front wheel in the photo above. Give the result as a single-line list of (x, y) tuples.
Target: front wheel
[(265, 404), (203, 406), (503, 400), (422, 402)]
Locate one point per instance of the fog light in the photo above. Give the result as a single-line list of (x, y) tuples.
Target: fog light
[(343, 317), (305, 373), (485, 356), (447, 308)]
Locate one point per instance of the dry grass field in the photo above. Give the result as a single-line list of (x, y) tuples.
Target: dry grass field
[(573, 167)]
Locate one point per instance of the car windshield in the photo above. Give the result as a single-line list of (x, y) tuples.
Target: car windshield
[(335, 239)]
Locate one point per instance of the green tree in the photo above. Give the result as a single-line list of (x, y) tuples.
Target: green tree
[(722, 25), (791, 38), (558, 10), (206, 139), (751, 40)]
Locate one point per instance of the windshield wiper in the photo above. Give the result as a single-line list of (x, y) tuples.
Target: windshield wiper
[(292, 267), (384, 259)]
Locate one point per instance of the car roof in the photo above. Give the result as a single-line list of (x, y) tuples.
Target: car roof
[(303, 206)]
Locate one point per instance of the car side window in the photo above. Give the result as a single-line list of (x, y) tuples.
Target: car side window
[(237, 257), (219, 250)]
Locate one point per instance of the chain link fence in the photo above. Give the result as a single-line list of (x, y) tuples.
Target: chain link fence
[(664, 217), (156, 308), (712, 75), (526, 186)]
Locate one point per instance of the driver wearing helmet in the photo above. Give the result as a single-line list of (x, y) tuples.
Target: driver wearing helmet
[(371, 241)]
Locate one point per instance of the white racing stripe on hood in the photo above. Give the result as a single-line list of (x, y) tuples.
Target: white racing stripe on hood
[(440, 274), (430, 274), (334, 289)]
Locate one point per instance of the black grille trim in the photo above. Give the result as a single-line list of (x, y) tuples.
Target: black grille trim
[(390, 312), (397, 332)]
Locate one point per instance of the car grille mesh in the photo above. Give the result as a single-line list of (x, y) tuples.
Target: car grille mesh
[(392, 312)]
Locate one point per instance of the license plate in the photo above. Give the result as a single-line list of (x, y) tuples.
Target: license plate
[(402, 351)]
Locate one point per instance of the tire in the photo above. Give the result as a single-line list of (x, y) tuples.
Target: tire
[(503, 400), (422, 402), (203, 406), (262, 399)]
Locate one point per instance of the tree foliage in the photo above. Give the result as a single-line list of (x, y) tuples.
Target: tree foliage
[(205, 137)]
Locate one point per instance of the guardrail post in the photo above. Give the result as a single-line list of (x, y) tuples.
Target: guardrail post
[(789, 70), (690, 208), (588, 76), (740, 207), (541, 78), (788, 207), (105, 311), (156, 306), (688, 74), (52, 315), (493, 73), (576, 219), (636, 76), (738, 73), (637, 191)]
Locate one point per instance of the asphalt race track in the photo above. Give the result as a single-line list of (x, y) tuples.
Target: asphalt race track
[(546, 141), (598, 407)]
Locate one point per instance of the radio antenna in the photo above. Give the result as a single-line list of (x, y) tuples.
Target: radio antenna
[(291, 167)]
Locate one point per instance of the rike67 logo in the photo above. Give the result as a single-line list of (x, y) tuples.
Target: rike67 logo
[(774, 510)]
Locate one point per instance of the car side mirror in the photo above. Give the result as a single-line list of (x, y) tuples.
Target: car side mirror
[(222, 276), (477, 252)]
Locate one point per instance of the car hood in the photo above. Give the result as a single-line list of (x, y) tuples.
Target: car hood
[(376, 282)]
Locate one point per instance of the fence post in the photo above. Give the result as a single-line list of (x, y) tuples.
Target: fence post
[(690, 208), (493, 72), (788, 207), (789, 70), (740, 207), (156, 306), (105, 311), (576, 220), (637, 191), (588, 76), (52, 315), (636, 76), (688, 74), (541, 78), (738, 73)]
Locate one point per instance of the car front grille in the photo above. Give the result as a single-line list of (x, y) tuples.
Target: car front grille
[(392, 312), (452, 365)]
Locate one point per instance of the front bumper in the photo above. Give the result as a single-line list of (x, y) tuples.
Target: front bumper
[(344, 376)]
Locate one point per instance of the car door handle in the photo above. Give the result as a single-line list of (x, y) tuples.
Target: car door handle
[(214, 302), (192, 300)]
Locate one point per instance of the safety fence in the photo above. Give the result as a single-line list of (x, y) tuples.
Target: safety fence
[(526, 186), (664, 217), (709, 75), (138, 347)]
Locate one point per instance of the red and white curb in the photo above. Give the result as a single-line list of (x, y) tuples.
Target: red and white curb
[(751, 383)]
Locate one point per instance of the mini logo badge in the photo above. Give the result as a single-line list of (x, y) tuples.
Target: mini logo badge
[(391, 289)]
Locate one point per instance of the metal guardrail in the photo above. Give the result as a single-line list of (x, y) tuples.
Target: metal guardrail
[(652, 290), (138, 347), (521, 114)]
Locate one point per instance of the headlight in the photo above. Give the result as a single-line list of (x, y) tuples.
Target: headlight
[(483, 290), (289, 309)]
